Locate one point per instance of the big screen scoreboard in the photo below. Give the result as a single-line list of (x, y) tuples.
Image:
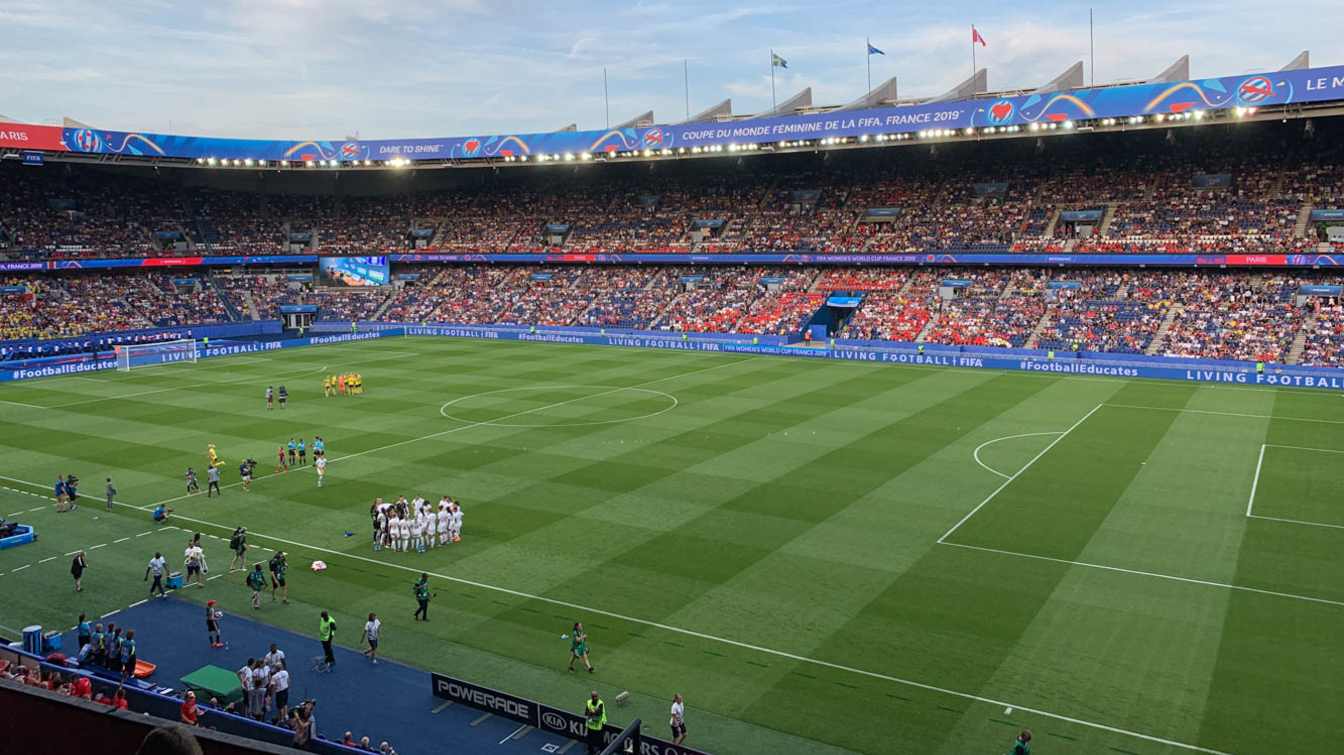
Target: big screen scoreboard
[(354, 271)]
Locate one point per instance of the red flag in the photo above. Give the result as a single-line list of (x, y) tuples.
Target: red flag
[(976, 39)]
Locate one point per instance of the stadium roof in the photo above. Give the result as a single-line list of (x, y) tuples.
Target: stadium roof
[(1072, 78), (1062, 105), (1178, 71), (643, 120), (1303, 60), (966, 89), (800, 101), (883, 94), (719, 112)]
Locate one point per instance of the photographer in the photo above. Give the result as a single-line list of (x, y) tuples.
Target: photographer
[(304, 724)]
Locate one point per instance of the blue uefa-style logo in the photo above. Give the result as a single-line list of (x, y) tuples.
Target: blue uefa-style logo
[(87, 140), (1255, 89)]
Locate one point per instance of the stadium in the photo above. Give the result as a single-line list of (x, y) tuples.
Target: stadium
[(909, 423)]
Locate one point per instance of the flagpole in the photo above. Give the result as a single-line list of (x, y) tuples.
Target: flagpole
[(868, 57), (1092, 48), (606, 100), (972, 57), (686, 84), (773, 105)]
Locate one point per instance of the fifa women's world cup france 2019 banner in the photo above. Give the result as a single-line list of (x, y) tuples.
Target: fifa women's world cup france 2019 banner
[(1040, 108)]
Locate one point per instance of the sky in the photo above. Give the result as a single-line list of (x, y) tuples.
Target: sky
[(298, 69)]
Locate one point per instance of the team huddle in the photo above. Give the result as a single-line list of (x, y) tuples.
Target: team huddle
[(343, 385), (403, 525)]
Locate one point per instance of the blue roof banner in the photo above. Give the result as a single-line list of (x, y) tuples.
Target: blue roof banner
[(1165, 98)]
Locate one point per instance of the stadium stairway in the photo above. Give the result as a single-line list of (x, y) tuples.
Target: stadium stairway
[(1106, 219), (1038, 331), (1050, 227), (1160, 337), (1303, 218), (1300, 340), (928, 328)]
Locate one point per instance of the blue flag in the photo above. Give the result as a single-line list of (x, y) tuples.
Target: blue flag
[(873, 50)]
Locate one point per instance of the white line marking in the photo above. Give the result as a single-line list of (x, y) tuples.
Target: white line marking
[(71, 553), (142, 534), (34, 511), (19, 568), (514, 733), (976, 452), (1139, 572), (137, 603), (20, 403), (84, 402), (48, 558), (544, 386), (1228, 414), (96, 547), (110, 613), (721, 640), (441, 707), (1019, 472), (1296, 521), (1255, 483), (121, 540), (1305, 448)]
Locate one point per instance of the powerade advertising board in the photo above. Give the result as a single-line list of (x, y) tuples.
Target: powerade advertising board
[(354, 271)]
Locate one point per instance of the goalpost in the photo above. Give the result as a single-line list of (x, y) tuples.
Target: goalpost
[(148, 354)]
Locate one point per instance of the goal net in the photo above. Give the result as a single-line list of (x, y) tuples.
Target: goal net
[(149, 354)]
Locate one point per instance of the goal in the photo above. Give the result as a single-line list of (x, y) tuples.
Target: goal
[(148, 354)]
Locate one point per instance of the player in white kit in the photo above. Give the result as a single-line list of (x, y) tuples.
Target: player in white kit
[(418, 532), (440, 520), (455, 527)]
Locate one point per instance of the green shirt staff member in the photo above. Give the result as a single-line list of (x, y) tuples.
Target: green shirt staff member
[(326, 632), (578, 647), (595, 714), (422, 596)]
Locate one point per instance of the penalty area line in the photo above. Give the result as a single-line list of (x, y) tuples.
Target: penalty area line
[(1155, 575)]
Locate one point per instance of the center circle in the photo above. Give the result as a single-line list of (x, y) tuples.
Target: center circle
[(506, 418)]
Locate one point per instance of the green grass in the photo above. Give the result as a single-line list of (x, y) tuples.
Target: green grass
[(780, 540)]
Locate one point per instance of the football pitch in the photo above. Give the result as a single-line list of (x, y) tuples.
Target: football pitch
[(821, 556)]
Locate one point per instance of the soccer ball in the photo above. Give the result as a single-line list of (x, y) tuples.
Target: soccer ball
[(319, 566)]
